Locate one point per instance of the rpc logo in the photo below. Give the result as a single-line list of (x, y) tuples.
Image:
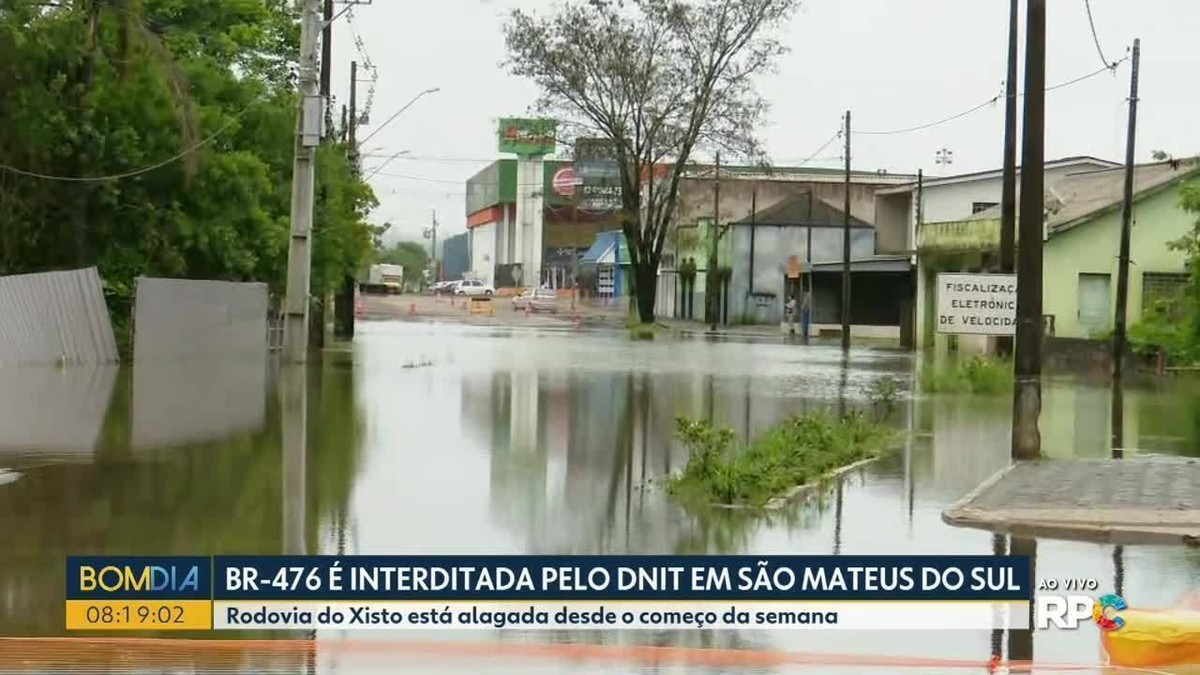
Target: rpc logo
[(1067, 611)]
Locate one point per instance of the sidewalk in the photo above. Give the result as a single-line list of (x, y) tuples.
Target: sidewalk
[(1115, 501)]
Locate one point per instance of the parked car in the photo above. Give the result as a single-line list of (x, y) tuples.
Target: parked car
[(443, 287), (473, 288), (537, 300)]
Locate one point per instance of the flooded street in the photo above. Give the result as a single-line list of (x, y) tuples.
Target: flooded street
[(453, 439)]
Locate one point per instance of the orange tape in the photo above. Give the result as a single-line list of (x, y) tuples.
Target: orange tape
[(27, 653)]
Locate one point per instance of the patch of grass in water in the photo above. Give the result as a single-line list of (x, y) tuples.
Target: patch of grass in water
[(798, 451), (978, 375), (643, 331)]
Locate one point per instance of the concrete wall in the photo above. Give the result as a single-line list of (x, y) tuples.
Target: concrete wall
[(55, 317), (1093, 247), (696, 197), (183, 319)]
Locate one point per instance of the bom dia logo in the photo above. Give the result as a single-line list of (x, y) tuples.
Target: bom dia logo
[(129, 577), (1069, 611)]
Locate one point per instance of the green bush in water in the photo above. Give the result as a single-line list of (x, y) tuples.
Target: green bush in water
[(976, 375), (797, 451)]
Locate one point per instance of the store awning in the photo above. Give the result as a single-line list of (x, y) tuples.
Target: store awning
[(609, 249)]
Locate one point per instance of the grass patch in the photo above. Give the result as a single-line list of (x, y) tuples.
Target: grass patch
[(798, 451), (643, 331), (977, 375)]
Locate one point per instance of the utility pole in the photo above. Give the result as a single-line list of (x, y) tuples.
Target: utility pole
[(327, 52), (343, 326), (309, 117), (434, 273), (1008, 190), (846, 247), (1027, 395), (1118, 345), (710, 274), (352, 129)]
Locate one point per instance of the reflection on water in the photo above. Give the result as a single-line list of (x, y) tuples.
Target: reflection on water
[(230, 489), (527, 442), (193, 402), (53, 412)]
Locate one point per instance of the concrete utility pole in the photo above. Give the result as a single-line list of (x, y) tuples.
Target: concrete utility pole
[(352, 129), (1008, 190), (710, 274), (1027, 395), (343, 304), (434, 272), (327, 51), (846, 248), (1118, 345), (308, 135)]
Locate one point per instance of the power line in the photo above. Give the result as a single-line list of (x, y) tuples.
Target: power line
[(821, 149), (134, 172), (992, 101), (1095, 37)]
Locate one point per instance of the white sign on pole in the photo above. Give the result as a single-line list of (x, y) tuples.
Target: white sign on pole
[(977, 304)]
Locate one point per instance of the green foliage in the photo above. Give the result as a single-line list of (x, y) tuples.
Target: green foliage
[(96, 88), (1174, 326), (412, 255), (1165, 327), (884, 392), (798, 451), (977, 375), (642, 331)]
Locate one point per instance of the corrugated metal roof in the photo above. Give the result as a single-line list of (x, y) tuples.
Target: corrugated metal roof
[(1078, 197), (55, 318)]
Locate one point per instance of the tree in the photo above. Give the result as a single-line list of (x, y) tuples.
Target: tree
[(221, 208), (661, 80), (410, 254)]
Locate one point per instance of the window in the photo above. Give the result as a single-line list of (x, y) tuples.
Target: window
[(977, 207), (1162, 289)]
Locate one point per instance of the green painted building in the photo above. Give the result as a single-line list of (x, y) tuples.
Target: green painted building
[(1081, 244)]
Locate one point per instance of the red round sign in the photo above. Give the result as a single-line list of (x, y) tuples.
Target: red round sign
[(565, 181)]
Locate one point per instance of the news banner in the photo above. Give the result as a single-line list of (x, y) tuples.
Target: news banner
[(548, 592)]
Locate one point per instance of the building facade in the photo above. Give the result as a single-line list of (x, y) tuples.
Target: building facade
[(1080, 250)]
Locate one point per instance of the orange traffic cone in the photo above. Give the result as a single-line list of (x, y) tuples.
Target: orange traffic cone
[(528, 310)]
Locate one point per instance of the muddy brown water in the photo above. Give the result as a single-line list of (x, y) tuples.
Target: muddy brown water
[(444, 438)]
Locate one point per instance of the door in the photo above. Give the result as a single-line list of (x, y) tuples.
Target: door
[(1095, 304)]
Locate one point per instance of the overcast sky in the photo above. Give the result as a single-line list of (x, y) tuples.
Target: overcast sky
[(894, 63)]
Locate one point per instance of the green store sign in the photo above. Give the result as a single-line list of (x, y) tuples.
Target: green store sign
[(523, 136)]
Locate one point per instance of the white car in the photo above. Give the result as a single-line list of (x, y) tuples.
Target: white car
[(474, 288)]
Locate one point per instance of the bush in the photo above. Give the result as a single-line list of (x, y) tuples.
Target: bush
[(978, 375), (1163, 326), (642, 331), (798, 451)]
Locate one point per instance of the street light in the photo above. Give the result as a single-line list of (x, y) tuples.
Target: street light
[(385, 163), (396, 114)]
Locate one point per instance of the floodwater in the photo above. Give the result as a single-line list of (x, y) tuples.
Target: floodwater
[(440, 438)]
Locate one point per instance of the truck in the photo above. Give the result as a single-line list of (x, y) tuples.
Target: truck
[(384, 279)]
